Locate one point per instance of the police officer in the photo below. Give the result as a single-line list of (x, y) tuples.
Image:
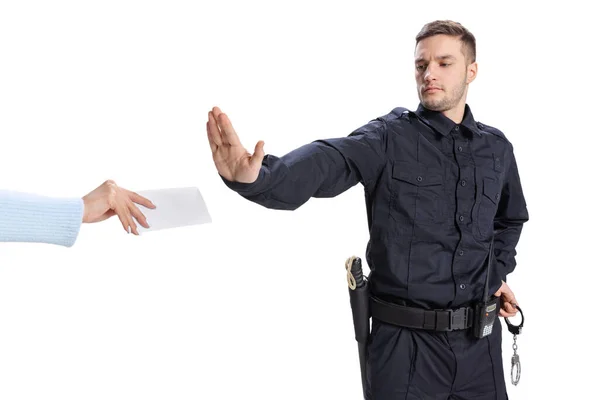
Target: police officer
[(439, 188)]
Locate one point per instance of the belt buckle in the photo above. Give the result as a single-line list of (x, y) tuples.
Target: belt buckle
[(458, 319)]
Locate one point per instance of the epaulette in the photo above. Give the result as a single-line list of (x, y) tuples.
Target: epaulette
[(396, 113), (492, 130)]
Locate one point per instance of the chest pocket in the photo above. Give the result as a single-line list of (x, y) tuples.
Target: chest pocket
[(417, 194), (488, 205)]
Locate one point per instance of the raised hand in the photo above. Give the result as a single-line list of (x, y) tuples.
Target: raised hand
[(232, 160)]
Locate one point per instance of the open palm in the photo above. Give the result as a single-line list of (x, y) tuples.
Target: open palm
[(232, 160)]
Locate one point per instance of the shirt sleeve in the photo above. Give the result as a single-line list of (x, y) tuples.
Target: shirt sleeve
[(32, 218), (323, 168), (511, 215)]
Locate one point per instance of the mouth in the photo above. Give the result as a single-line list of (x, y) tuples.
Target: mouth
[(432, 89)]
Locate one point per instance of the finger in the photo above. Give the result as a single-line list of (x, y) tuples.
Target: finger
[(228, 134), (124, 221), (259, 154), (212, 129), (136, 198), (138, 215), (132, 224), (216, 112), (508, 312), (509, 308), (211, 142), (509, 297)]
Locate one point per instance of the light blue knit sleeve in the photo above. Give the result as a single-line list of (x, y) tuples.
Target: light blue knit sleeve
[(28, 217)]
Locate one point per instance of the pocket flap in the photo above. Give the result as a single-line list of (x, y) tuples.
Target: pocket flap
[(491, 190), (416, 174)]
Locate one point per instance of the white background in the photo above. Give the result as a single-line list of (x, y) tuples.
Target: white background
[(255, 305)]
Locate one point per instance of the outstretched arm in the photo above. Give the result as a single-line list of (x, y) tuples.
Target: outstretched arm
[(323, 168), (26, 217)]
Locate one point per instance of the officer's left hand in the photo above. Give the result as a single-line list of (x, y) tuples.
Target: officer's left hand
[(509, 301)]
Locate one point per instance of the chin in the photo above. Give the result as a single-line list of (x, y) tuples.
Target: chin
[(434, 105)]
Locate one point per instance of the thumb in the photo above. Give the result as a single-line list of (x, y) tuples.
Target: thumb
[(259, 154)]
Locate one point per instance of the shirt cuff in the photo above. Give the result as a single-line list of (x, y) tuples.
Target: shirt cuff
[(250, 189)]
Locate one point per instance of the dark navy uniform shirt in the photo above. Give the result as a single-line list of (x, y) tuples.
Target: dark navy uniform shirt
[(437, 193)]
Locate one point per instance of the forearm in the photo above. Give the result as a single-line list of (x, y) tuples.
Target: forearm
[(313, 170), (31, 218), (505, 243), (511, 216)]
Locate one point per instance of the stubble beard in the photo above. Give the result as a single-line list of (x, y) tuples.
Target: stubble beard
[(448, 102)]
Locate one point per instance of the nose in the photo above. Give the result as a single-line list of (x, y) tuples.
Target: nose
[(429, 74)]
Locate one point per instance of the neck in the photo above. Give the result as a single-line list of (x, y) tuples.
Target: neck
[(457, 113)]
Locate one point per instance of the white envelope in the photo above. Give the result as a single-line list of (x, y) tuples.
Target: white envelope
[(175, 208)]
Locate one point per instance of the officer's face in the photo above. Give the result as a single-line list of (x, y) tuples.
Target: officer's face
[(442, 73)]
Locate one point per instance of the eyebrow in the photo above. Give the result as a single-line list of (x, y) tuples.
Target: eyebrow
[(444, 57)]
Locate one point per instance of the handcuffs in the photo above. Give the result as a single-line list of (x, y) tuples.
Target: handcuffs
[(515, 363)]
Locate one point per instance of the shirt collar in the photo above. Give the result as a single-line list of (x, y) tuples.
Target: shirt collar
[(443, 124)]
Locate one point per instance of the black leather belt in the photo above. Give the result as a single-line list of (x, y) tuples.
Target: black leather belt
[(418, 318)]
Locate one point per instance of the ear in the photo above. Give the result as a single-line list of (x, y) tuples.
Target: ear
[(471, 72)]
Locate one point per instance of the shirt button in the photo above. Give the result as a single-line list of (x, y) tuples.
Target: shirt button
[(497, 196), (460, 253), (459, 148), (419, 178), (456, 128), (463, 183), (461, 218), (463, 286)]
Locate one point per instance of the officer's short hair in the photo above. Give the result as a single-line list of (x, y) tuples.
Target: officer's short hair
[(451, 28)]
